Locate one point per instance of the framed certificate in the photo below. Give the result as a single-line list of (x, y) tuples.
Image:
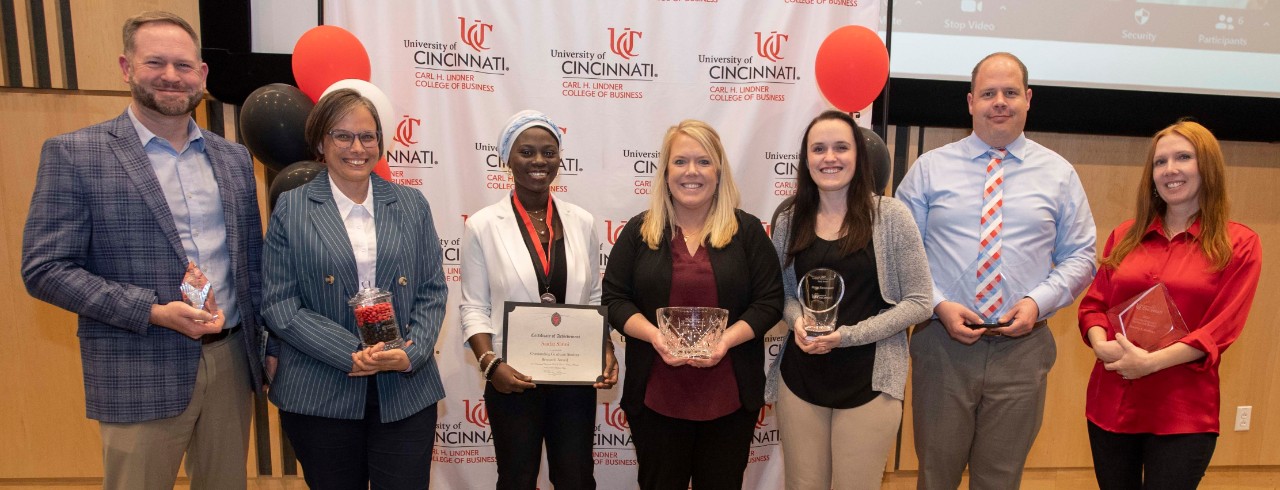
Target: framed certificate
[(555, 344)]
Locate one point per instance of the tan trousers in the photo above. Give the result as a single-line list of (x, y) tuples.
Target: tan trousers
[(213, 431), (824, 448)]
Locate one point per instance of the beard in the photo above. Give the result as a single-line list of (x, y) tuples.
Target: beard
[(146, 96)]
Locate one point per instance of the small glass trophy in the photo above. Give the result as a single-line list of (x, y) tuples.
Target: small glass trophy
[(197, 291), (376, 319), (1149, 320), (691, 332), (820, 292)]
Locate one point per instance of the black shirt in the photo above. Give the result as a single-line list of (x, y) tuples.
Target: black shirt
[(842, 377)]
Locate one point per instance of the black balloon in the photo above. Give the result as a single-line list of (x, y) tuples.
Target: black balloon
[(292, 177), (271, 124), (878, 155)]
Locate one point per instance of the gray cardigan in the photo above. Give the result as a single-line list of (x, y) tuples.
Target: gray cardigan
[(905, 284)]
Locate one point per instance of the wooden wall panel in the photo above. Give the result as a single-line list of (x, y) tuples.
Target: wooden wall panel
[(21, 16), (96, 27), (46, 432)]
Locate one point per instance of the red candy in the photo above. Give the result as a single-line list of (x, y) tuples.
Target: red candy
[(376, 313)]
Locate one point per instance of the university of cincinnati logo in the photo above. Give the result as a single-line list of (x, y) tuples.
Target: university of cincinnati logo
[(770, 46), (474, 34), (764, 411), (616, 418), (624, 43), (405, 130), (477, 415), (555, 319)]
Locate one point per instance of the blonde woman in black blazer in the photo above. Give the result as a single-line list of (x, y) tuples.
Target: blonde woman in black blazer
[(692, 420)]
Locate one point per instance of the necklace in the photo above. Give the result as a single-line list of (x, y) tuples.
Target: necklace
[(545, 256), (540, 217)]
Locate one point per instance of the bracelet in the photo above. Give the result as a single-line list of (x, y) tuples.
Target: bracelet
[(480, 358), (489, 370)]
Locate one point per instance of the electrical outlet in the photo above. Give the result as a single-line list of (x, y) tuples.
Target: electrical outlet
[(1244, 416)]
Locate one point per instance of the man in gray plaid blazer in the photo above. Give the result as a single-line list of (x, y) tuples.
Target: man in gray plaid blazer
[(119, 210)]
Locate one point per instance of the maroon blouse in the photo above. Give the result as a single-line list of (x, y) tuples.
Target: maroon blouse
[(687, 392)]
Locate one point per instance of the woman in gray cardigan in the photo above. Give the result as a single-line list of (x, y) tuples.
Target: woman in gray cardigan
[(841, 393)]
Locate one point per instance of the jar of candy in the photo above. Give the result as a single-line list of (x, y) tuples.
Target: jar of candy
[(376, 319)]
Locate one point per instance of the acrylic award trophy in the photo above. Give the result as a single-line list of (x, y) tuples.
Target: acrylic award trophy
[(1149, 320)]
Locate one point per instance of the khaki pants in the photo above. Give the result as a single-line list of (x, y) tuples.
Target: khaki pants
[(825, 448), (213, 431)]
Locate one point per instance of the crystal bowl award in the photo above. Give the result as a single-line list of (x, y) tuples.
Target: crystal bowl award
[(691, 332), (820, 292), (376, 319)]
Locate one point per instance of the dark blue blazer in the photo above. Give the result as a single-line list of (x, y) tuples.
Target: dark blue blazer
[(310, 275), (100, 242)]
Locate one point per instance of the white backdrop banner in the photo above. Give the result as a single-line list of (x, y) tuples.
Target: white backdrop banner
[(614, 75)]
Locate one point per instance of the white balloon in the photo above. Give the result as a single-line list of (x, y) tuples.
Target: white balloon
[(386, 114)]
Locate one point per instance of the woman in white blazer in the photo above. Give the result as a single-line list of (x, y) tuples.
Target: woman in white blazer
[(529, 247)]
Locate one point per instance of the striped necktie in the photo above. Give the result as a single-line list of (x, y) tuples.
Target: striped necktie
[(988, 295)]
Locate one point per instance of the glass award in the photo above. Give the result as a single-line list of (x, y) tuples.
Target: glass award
[(376, 318), (197, 291), (1149, 320), (820, 292), (691, 332)]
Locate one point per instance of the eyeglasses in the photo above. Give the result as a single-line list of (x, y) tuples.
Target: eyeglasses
[(344, 139)]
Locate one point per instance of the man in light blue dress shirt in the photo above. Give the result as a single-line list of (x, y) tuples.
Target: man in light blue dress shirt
[(978, 380), (119, 210)]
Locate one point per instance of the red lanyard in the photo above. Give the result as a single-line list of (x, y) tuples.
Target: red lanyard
[(544, 256)]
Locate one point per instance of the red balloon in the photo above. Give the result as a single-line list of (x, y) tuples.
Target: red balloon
[(327, 54), (852, 67), (383, 169)]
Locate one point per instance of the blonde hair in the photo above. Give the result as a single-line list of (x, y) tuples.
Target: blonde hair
[(721, 223), (1214, 208)]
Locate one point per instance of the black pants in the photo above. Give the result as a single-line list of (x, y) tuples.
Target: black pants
[(343, 454), (562, 416), (670, 452), (1149, 461)]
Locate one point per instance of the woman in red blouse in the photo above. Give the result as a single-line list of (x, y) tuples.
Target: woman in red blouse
[(1153, 416)]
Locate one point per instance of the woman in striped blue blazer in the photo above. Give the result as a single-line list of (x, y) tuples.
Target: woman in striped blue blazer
[(355, 416)]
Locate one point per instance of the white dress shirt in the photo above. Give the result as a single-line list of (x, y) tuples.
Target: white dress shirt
[(358, 219)]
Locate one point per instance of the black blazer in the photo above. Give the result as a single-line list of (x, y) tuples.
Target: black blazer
[(748, 281)]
